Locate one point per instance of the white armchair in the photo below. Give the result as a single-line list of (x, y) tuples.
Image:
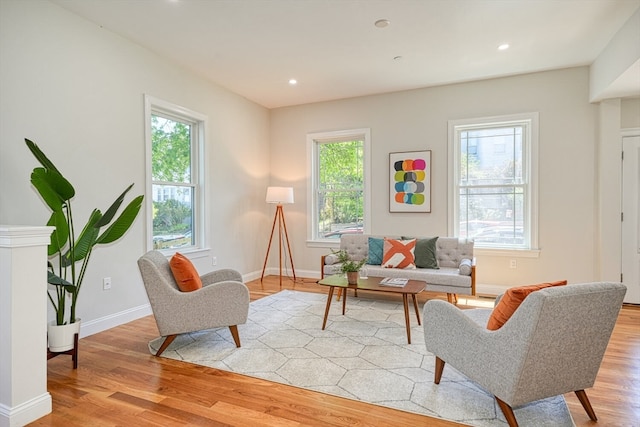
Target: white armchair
[(553, 344), (222, 301)]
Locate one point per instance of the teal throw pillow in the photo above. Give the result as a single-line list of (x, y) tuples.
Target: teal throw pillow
[(425, 253), (376, 247)]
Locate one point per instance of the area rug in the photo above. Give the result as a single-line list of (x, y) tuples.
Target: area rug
[(362, 355)]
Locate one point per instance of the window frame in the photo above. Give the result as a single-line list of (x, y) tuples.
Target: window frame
[(198, 123), (313, 142), (530, 176)]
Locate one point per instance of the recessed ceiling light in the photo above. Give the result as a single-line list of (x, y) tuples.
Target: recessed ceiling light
[(503, 46), (293, 82), (381, 23)]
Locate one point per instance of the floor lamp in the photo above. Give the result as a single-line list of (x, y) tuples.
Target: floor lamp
[(279, 196)]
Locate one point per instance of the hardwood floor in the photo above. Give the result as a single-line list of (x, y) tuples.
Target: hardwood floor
[(119, 383)]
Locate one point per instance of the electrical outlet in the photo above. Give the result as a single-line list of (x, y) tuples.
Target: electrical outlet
[(106, 283), (214, 260), (513, 263)]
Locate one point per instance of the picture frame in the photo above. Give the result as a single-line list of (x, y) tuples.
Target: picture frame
[(410, 181)]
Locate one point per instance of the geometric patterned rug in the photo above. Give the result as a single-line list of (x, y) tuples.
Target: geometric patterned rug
[(362, 355)]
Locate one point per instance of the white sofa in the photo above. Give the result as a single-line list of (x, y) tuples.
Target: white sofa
[(456, 273)]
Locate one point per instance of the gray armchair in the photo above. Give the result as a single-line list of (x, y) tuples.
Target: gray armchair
[(553, 344), (222, 301)]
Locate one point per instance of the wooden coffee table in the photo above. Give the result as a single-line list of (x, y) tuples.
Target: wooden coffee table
[(413, 287)]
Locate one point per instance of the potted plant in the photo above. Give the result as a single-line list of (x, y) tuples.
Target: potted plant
[(349, 266), (70, 251)]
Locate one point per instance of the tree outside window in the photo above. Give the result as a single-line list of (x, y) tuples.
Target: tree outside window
[(339, 184), (174, 145)]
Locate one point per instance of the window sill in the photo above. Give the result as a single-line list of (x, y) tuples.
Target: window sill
[(191, 253), (330, 244), (505, 252)]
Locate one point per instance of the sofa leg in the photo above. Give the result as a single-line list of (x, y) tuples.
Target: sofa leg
[(452, 298), (439, 368), (508, 413)]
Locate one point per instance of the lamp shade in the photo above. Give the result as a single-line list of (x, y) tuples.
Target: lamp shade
[(280, 195)]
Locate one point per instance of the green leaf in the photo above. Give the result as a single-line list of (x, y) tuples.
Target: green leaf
[(43, 181), (60, 235), (53, 179), (40, 156), (55, 280), (86, 241), (122, 224), (111, 212)]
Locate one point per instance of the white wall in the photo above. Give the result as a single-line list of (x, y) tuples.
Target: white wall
[(417, 120), (616, 69), (630, 113), (77, 91)]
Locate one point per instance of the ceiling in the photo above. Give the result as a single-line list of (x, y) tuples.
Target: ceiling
[(334, 50)]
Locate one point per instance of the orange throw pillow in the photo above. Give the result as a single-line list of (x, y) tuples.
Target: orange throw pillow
[(399, 253), (185, 273), (510, 302)]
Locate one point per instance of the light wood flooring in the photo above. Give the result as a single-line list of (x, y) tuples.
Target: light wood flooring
[(118, 383)]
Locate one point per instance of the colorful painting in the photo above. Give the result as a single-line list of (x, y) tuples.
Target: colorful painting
[(410, 181)]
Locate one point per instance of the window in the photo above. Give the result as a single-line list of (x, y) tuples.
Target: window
[(175, 140), (339, 184), (493, 182)]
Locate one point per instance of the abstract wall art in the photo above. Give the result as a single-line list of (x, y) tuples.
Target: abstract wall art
[(410, 181)]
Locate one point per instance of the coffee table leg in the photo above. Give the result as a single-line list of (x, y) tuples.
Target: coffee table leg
[(326, 310), (415, 305), (344, 300), (405, 302)]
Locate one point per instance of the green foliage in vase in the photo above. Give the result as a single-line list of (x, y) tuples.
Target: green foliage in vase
[(71, 251), (347, 264)]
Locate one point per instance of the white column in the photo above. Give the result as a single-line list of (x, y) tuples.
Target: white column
[(23, 324)]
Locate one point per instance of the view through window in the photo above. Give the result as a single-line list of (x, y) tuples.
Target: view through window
[(173, 188), (175, 141), (339, 185), (493, 184)]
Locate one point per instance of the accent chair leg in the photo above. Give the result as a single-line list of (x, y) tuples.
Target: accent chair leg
[(508, 413), (235, 335), (168, 340), (439, 368), (582, 397)]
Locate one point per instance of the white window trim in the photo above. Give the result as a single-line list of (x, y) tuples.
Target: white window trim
[(530, 163), (312, 165), (151, 105)]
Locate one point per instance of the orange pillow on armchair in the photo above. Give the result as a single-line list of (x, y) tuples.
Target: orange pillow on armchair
[(185, 273), (510, 302)]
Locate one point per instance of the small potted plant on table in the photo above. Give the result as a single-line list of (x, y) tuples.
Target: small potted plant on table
[(349, 266)]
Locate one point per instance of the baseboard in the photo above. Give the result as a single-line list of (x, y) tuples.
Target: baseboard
[(111, 321), (26, 412)]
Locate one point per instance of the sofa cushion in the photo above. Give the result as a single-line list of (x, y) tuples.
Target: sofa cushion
[(399, 253), (465, 267), (376, 250), (510, 302), (426, 253), (185, 273)]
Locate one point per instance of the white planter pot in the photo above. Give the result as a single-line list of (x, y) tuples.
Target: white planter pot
[(61, 337)]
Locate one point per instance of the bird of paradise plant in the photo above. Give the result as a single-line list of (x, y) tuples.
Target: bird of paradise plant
[(70, 250)]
